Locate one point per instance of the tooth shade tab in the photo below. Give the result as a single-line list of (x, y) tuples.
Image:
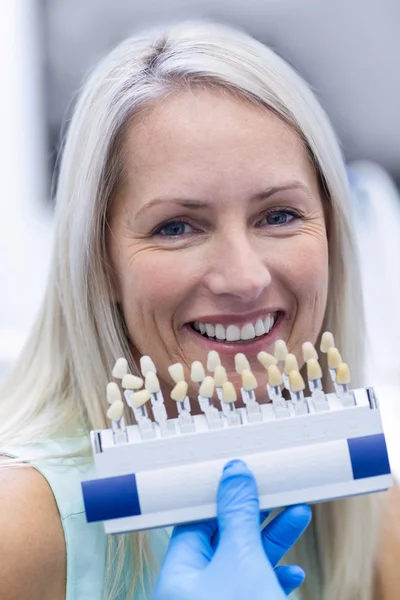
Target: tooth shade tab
[(249, 382), (313, 370), (266, 359), (179, 392), (116, 410), (343, 374), (176, 372), (131, 382), (213, 361), (327, 342), (296, 382), (220, 376), (147, 365), (151, 383), (120, 368), (207, 387), (291, 363), (229, 392), (241, 363), (138, 399), (280, 350), (113, 393), (334, 358), (197, 373), (309, 351), (274, 376)]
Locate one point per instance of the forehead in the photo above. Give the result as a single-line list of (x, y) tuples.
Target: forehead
[(212, 138)]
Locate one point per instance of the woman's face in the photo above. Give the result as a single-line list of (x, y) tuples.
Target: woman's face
[(218, 225)]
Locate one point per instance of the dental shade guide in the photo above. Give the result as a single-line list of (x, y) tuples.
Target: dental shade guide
[(197, 373), (185, 419), (267, 360), (206, 392), (136, 399), (297, 386), (314, 376), (213, 361), (309, 352), (176, 372), (220, 377), (115, 413), (327, 341), (249, 384), (280, 353), (290, 365), (275, 380), (229, 398), (162, 471), (120, 368), (342, 383), (152, 385), (179, 394), (241, 363), (334, 360), (219, 372)]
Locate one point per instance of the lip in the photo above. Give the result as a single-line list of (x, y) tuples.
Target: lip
[(236, 318), (248, 348)]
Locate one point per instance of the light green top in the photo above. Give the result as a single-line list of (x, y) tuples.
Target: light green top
[(85, 542)]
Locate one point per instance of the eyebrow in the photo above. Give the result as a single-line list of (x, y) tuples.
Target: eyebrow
[(199, 204)]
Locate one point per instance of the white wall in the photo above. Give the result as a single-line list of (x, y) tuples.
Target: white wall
[(25, 225), (347, 49)]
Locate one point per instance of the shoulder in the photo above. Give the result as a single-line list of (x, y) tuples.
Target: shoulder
[(32, 544), (389, 546)]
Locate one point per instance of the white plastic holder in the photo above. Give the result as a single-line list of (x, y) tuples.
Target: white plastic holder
[(308, 458), (318, 396), (347, 398), (119, 431), (185, 419), (253, 408), (213, 416), (281, 407), (300, 407)]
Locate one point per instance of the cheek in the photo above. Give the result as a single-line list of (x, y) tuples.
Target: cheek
[(155, 284), (305, 274), (305, 265)]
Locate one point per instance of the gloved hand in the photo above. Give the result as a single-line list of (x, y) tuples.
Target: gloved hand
[(228, 558)]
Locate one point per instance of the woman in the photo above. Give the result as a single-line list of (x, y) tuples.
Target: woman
[(200, 183)]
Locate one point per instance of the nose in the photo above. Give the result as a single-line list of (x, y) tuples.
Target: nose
[(238, 269)]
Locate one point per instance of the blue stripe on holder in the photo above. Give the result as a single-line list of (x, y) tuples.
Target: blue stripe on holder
[(111, 498), (368, 455)]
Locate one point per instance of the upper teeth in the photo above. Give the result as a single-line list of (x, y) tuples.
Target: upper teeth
[(233, 333)]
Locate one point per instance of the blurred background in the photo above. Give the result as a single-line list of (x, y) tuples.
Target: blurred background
[(348, 50)]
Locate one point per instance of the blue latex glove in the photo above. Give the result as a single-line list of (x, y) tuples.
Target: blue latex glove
[(229, 558)]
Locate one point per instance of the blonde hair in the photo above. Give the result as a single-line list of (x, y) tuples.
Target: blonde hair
[(68, 358)]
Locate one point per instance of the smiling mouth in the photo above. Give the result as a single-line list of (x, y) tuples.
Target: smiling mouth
[(235, 334)]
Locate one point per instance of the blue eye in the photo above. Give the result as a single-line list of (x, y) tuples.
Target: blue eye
[(174, 229), (281, 217)]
